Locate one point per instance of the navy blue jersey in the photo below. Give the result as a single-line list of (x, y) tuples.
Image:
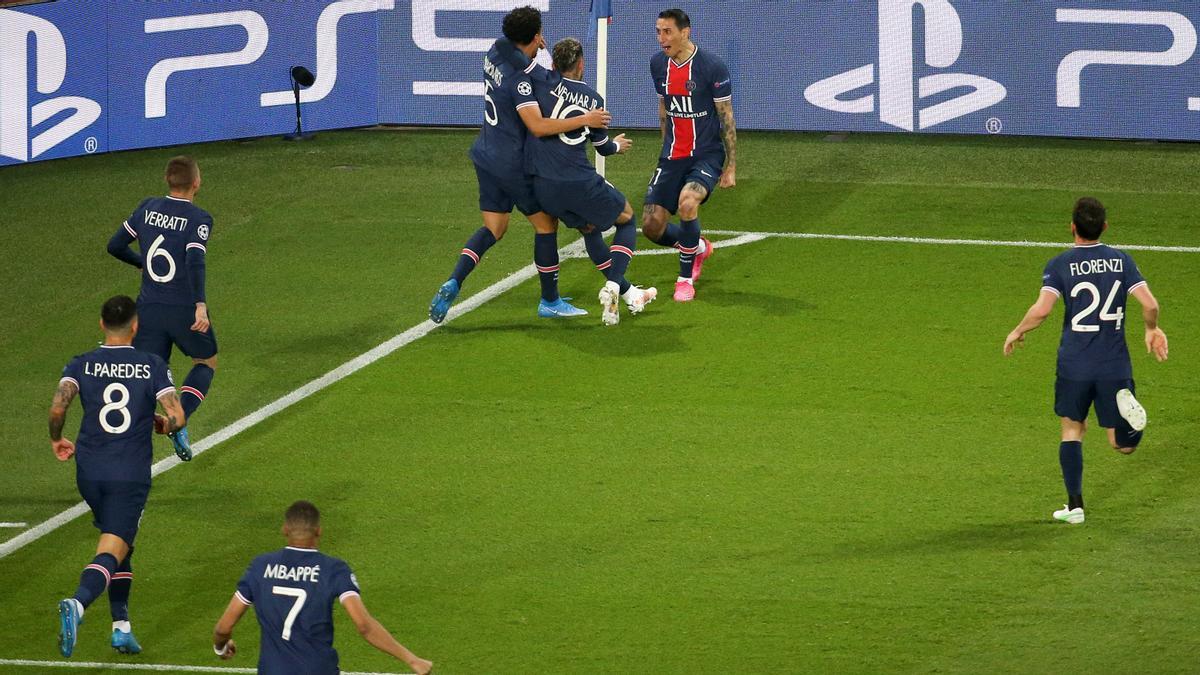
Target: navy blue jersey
[(1094, 282), (118, 387), (690, 91), (499, 148), (168, 229), (564, 157), (292, 591)]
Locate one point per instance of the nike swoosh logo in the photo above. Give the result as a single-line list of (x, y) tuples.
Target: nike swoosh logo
[(706, 173)]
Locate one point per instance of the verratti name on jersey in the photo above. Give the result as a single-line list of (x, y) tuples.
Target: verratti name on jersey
[(285, 573), (1098, 266), (166, 222), (120, 371)]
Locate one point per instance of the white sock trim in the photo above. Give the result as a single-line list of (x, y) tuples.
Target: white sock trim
[(687, 279), (123, 626)]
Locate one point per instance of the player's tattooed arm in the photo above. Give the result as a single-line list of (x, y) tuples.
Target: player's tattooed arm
[(174, 418), (662, 116), (729, 135), (58, 408)]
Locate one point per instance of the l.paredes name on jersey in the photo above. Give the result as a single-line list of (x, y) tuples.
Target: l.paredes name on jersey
[(120, 371), (286, 573)]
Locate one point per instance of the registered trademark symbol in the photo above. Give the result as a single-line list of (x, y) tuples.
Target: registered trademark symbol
[(993, 125), (90, 144)]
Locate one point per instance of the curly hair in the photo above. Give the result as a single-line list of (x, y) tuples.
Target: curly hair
[(522, 25)]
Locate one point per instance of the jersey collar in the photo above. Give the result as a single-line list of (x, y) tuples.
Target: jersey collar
[(1087, 245), (116, 346), (179, 199), (296, 548), (688, 59)]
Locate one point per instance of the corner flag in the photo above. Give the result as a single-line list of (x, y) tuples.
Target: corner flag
[(600, 9)]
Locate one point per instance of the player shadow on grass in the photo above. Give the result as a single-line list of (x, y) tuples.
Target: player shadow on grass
[(999, 537), (771, 305), (634, 337)]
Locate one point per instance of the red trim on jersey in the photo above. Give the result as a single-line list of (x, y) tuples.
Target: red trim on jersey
[(683, 130)]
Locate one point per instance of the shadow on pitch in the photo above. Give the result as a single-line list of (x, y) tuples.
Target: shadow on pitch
[(998, 537), (633, 337), (715, 292)]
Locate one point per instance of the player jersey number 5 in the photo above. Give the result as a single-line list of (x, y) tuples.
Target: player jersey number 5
[(1106, 313)]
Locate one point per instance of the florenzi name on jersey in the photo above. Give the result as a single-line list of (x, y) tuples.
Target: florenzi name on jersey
[(284, 573), (579, 98), (121, 371), (1098, 266), (166, 222)]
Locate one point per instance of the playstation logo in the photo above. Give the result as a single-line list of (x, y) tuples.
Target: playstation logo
[(897, 106), (17, 118)]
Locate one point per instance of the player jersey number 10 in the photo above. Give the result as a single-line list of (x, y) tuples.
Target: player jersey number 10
[(563, 110)]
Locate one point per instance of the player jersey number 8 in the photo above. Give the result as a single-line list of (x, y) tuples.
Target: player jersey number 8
[(116, 399)]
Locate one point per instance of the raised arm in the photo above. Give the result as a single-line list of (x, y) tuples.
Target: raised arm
[(63, 448), (223, 643), (1033, 318), (540, 126), (1156, 339), (729, 136), (379, 637)]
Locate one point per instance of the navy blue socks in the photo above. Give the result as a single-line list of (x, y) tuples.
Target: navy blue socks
[(195, 388), (477, 245), (1070, 456), (118, 589), (689, 245), (95, 578), (545, 257)]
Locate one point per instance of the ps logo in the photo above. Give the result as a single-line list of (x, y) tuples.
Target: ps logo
[(17, 118), (897, 107)]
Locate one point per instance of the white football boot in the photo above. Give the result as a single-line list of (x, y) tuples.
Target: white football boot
[(610, 303), (1073, 516), (1131, 410), (636, 298)]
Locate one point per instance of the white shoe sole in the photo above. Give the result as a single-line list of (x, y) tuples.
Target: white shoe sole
[(1131, 410), (1065, 516), (609, 306)]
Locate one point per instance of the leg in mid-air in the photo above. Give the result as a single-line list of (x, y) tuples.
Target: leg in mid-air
[(201, 346), (495, 225), (613, 262), (545, 258)]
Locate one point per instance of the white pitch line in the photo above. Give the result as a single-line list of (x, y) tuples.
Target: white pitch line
[(573, 250), (159, 667), (952, 242), (16, 525)]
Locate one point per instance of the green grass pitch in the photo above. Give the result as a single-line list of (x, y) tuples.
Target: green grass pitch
[(823, 464)]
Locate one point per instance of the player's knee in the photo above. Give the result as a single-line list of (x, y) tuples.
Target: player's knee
[(689, 208), (211, 362), (626, 214), (653, 228), (498, 230)]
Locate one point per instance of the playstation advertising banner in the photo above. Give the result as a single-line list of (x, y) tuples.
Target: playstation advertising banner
[(84, 76)]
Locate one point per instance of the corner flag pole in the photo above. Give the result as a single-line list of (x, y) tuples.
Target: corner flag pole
[(601, 12)]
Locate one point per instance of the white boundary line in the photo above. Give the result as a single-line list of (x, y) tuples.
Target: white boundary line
[(15, 525), (952, 242), (573, 250), (159, 667)]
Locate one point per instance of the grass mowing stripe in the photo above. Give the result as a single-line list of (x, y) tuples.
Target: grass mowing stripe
[(573, 250), (159, 667)]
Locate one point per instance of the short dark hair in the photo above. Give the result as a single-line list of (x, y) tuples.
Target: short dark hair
[(677, 15), (567, 53), (302, 515), (181, 172), (522, 25), (118, 312), (1089, 218)]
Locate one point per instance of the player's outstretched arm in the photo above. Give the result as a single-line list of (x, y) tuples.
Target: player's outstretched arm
[(540, 126), (63, 448), (729, 135), (378, 636), (174, 419), (223, 643), (1156, 339), (1033, 318)]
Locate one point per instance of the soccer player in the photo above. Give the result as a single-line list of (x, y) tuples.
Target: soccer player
[(1094, 281), (173, 235), (695, 109), (510, 112), (568, 187), (118, 386), (293, 590)]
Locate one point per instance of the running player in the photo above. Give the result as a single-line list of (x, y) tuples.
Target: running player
[(510, 109), (568, 187), (173, 235), (695, 109), (292, 591), (118, 386), (1093, 359)]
